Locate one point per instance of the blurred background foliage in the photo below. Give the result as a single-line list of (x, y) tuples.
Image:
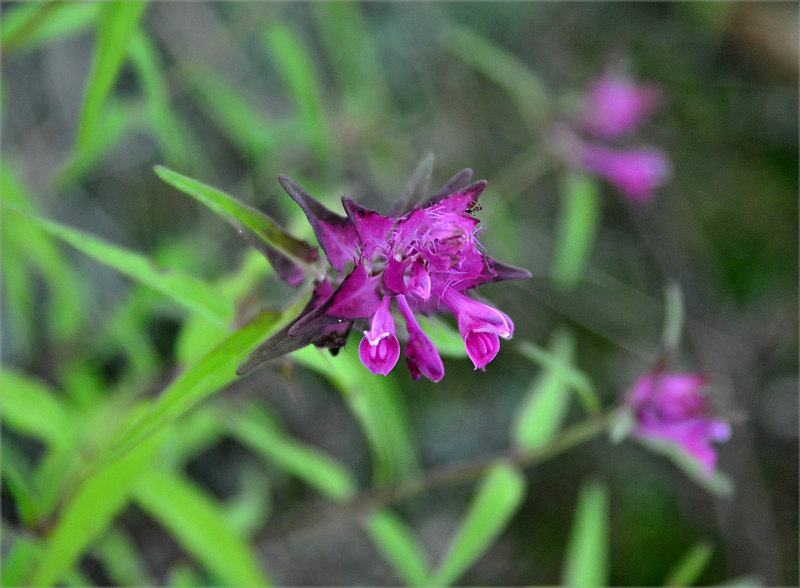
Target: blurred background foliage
[(258, 482)]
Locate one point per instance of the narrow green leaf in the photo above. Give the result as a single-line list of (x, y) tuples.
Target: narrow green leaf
[(378, 407), (116, 23), (446, 339), (122, 561), (257, 431), (29, 25), (586, 561), (496, 501), (674, 316), (251, 507), (199, 525), (20, 236), (299, 72), (577, 226), (164, 122), (576, 378), (89, 512), (241, 216), (399, 547), (525, 88), (210, 374), (19, 561), (18, 481), (545, 404), (689, 569), (31, 408), (188, 291)]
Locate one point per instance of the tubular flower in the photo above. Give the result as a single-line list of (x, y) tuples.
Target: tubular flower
[(617, 105), (425, 259), (637, 172), (671, 406)]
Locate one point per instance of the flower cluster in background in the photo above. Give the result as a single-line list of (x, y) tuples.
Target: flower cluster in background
[(424, 260), (615, 107)]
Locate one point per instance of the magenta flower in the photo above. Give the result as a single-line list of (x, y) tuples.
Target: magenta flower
[(425, 259), (617, 105), (637, 172), (671, 406)]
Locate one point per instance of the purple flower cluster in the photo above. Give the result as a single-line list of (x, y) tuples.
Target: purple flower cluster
[(615, 107), (424, 261), (671, 406)]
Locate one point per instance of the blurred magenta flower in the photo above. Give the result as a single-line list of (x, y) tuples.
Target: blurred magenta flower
[(426, 259), (617, 105), (637, 172), (671, 406)]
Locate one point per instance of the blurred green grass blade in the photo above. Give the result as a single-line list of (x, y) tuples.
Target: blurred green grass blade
[(188, 291), (65, 308), (255, 430), (299, 72), (30, 25), (89, 512), (198, 523), (498, 498), (716, 482), (125, 329), (20, 307), (545, 404), (577, 227), (240, 215), (19, 560), (396, 542), (33, 409), (114, 28), (586, 560), (215, 370), (446, 339), (121, 559), (116, 120), (576, 378), (351, 50), (52, 476), (377, 404), (674, 317), (183, 574), (524, 87), (251, 507), (164, 122), (689, 569), (18, 481)]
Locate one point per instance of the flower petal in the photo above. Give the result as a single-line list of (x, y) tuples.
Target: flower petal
[(421, 355)]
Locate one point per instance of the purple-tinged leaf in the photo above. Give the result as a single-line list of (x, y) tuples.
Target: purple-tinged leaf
[(457, 182)]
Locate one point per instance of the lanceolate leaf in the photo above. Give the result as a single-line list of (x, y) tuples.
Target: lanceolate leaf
[(586, 562), (497, 500), (265, 231), (399, 547), (199, 525), (186, 290)]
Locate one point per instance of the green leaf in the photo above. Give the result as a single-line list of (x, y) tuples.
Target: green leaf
[(29, 25), (576, 378), (164, 122), (399, 547), (198, 524), (122, 561), (22, 239), (115, 26), (257, 431), (496, 501), (689, 569), (377, 403), (545, 404), (31, 408), (446, 339), (188, 291), (577, 227), (299, 72), (89, 512), (17, 480), (674, 316), (241, 216), (215, 370), (586, 561), (525, 88), (19, 561)]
